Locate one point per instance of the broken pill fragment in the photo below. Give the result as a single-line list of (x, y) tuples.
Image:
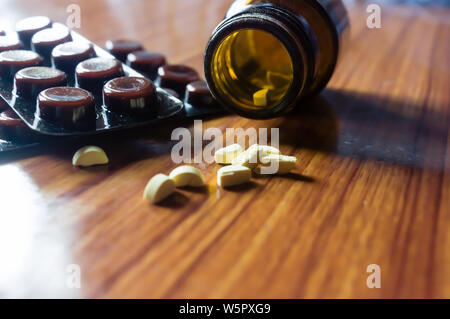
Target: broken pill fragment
[(187, 176), (158, 188), (227, 154), (249, 158), (233, 175), (263, 150), (90, 156), (260, 97), (276, 164)]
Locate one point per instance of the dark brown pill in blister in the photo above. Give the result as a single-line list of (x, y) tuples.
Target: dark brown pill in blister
[(146, 62), (68, 106), (93, 73), (15, 60), (176, 77), (121, 48), (26, 28), (12, 127), (44, 41), (130, 95), (66, 56), (198, 94), (29, 82), (9, 43)]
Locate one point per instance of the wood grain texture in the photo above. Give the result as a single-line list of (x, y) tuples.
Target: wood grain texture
[(372, 185)]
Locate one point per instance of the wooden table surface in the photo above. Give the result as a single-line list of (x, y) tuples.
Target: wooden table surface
[(372, 184)]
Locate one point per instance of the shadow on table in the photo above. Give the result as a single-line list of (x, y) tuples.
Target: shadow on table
[(123, 147), (346, 123), (369, 127)]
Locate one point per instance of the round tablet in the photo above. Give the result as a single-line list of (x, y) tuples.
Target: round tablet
[(9, 43), (146, 62), (67, 55), (121, 48), (93, 73), (15, 60), (30, 81), (2, 32), (176, 77), (130, 95), (12, 127), (198, 94), (26, 28), (68, 106), (44, 41)]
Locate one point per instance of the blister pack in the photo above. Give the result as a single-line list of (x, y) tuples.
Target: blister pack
[(55, 82)]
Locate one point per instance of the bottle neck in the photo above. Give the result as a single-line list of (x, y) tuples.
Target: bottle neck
[(260, 61)]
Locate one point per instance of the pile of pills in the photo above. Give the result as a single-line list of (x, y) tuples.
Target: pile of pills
[(161, 186), (239, 165), (261, 159)]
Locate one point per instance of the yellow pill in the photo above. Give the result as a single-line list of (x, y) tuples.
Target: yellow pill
[(276, 164), (260, 97), (233, 175), (158, 188), (248, 158), (227, 154), (89, 156), (263, 150), (187, 176)]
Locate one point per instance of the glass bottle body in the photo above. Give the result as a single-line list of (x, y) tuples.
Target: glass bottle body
[(266, 56)]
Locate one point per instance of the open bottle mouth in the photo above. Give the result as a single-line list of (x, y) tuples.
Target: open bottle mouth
[(258, 62), (252, 69)]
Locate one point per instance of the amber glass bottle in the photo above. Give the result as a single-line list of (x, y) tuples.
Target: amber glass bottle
[(266, 56)]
